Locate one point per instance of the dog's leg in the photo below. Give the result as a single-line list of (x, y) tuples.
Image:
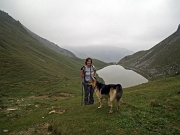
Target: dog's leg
[(100, 102), (111, 102), (111, 106), (108, 101), (111, 99), (118, 104), (98, 94), (99, 98)]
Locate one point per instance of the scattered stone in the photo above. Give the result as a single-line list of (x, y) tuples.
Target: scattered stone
[(5, 131), (58, 111), (53, 111), (12, 109), (36, 106)]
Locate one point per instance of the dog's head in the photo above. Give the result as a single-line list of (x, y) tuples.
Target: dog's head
[(92, 82)]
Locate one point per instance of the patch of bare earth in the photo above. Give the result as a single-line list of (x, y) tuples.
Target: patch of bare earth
[(44, 129), (63, 94), (57, 111), (60, 96)]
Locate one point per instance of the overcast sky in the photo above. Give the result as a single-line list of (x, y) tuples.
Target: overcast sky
[(132, 24)]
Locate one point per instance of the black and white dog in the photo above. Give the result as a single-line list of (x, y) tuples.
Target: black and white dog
[(110, 92)]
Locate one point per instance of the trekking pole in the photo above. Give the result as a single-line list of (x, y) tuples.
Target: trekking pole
[(82, 94)]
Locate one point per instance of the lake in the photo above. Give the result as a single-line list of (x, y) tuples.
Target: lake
[(116, 74)]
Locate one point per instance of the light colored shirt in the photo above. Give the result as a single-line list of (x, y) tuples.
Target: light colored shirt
[(89, 72)]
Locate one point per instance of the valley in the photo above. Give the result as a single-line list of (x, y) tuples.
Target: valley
[(40, 90)]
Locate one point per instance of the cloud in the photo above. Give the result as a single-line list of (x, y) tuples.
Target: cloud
[(135, 25)]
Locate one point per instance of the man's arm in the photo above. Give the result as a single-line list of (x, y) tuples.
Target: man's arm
[(82, 72), (94, 73)]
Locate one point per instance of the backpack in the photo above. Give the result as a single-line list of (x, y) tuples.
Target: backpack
[(83, 68)]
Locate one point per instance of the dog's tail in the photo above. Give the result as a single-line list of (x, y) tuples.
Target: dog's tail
[(119, 92)]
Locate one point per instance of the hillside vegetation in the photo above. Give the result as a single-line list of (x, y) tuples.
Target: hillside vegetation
[(40, 93), (28, 68), (161, 60), (23, 58), (50, 45), (151, 108)]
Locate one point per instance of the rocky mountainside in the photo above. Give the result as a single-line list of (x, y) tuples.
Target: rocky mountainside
[(50, 45), (161, 60), (103, 53)]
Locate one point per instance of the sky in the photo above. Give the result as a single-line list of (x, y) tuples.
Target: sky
[(132, 24)]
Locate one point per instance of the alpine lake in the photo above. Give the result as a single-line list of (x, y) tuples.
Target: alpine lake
[(116, 74)]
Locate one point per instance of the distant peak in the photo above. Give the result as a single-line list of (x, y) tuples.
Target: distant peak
[(178, 30)]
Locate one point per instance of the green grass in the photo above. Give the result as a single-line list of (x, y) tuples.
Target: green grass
[(151, 108), (33, 80), (25, 64), (27, 68)]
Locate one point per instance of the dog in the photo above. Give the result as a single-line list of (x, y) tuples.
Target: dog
[(110, 92)]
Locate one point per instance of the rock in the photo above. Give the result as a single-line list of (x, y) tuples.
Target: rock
[(12, 109), (53, 111), (5, 131)]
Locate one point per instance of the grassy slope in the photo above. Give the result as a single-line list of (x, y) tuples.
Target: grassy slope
[(24, 59), (161, 60), (151, 108), (50, 45), (27, 68)]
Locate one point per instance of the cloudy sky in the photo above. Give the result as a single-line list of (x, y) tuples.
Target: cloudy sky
[(132, 24)]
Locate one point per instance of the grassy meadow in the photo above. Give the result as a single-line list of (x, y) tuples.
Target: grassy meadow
[(150, 108)]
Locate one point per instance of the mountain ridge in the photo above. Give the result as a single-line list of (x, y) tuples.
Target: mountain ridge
[(104, 53), (50, 44), (23, 57), (161, 60)]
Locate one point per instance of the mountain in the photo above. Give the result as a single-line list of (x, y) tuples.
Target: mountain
[(50, 45), (32, 74), (26, 61), (103, 53), (161, 60)]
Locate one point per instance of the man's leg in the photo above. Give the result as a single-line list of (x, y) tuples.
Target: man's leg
[(86, 94), (91, 100)]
